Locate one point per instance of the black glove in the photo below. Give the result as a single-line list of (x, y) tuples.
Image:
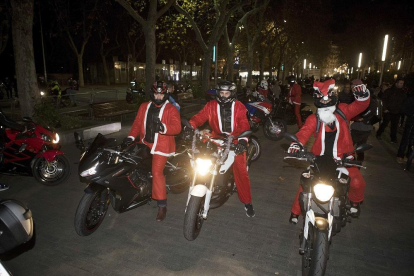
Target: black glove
[(360, 91), (240, 147), (159, 127), (188, 133), (127, 142)]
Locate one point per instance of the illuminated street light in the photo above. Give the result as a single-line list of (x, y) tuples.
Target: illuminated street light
[(304, 63), (310, 65), (369, 69), (359, 60), (399, 64), (352, 70), (384, 53), (384, 49)]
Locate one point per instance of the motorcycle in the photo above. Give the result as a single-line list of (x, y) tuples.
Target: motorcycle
[(213, 181), (262, 112), (324, 203), (35, 153), (134, 93), (121, 178)]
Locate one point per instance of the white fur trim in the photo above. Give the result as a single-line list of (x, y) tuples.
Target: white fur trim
[(335, 148), (163, 153), (145, 122), (323, 139), (232, 116), (154, 145), (132, 137), (219, 117)]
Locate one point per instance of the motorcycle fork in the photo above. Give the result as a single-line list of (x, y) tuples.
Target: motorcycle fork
[(214, 173), (103, 201), (306, 225), (191, 188)]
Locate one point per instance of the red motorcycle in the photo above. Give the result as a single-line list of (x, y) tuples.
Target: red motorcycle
[(35, 153)]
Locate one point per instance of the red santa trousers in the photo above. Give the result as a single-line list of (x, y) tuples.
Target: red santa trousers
[(159, 189), (242, 178)]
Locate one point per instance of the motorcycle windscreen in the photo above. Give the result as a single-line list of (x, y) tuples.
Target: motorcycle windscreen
[(92, 152), (327, 167)]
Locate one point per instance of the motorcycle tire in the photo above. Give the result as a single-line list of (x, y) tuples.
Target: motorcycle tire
[(316, 255), (193, 219), (53, 173), (273, 134), (258, 149), (88, 217)]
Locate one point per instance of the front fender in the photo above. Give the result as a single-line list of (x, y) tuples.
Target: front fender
[(50, 155), (93, 188), (199, 190), (321, 223)]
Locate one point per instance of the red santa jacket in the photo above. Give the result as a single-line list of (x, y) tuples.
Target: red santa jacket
[(295, 94), (211, 112), (343, 141), (164, 143)]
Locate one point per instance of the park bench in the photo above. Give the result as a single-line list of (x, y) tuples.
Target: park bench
[(111, 109)]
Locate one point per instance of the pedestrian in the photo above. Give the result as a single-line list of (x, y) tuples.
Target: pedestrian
[(276, 89), (156, 124), (408, 111), (227, 115), (171, 96), (9, 87), (295, 98), (345, 96), (393, 100), (71, 91)]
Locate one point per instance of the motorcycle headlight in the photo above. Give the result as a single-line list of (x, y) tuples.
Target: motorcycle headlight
[(203, 166), (90, 171), (323, 192), (56, 140)]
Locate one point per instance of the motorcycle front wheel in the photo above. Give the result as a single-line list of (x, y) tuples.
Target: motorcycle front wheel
[(193, 219), (51, 173), (315, 259), (274, 132), (91, 212)]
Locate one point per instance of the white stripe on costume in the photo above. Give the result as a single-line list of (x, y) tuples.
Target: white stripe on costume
[(335, 148), (145, 123), (323, 139), (156, 134)]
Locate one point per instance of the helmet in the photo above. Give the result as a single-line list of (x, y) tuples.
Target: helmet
[(159, 87), (225, 86), (291, 79), (325, 93), (263, 85)]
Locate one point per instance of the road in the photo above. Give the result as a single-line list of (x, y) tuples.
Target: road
[(378, 243)]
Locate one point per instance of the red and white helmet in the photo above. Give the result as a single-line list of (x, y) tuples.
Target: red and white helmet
[(263, 85), (159, 87), (325, 93)]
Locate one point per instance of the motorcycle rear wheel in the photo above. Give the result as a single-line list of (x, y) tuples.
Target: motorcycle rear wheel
[(88, 216), (274, 133), (51, 173), (315, 259), (193, 219)]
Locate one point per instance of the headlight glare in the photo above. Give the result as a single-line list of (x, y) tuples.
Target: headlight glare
[(90, 171), (323, 192), (203, 166), (56, 140)]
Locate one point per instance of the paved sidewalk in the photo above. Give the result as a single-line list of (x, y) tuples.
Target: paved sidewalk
[(133, 243)]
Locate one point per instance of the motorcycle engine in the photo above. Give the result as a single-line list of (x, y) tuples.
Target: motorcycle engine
[(140, 182)]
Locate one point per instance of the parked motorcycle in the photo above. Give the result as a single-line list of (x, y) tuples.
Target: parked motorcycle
[(324, 203), (261, 112), (121, 178), (134, 92), (213, 181), (35, 153)]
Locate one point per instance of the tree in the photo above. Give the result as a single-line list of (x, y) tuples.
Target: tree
[(76, 21), (22, 33), (4, 28), (149, 27), (212, 16)]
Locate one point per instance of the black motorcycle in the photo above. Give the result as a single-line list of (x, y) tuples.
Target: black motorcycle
[(121, 178), (324, 203), (134, 92)]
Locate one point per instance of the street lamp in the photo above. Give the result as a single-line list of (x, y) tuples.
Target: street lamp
[(304, 63), (359, 63), (310, 65), (384, 53), (399, 64)]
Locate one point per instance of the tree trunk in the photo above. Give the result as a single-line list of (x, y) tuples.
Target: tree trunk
[(106, 71), (150, 54), (250, 59), (261, 64), (206, 70), (230, 63), (22, 26), (80, 70)]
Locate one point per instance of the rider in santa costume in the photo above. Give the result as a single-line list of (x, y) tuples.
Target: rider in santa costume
[(157, 122), (332, 136), (227, 115)]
